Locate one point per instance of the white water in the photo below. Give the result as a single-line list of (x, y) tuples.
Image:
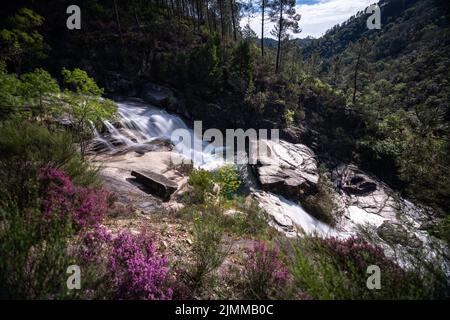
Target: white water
[(140, 124), (288, 213)]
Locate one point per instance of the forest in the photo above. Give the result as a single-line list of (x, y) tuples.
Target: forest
[(87, 177)]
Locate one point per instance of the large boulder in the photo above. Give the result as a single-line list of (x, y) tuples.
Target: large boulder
[(157, 184), (285, 168), (365, 198)]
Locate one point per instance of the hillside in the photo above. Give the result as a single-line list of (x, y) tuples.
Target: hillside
[(401, 89), (103, 168)]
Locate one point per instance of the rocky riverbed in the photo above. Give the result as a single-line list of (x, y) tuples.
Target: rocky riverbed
[(285, 174)]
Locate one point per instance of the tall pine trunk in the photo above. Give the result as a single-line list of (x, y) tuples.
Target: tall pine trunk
[(116, 11), (355, 76), (263, 4), (233, 19), (221, 20), (280, 29)]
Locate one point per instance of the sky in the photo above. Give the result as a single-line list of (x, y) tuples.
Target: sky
[(317, 16)]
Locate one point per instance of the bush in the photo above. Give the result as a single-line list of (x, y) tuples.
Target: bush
[(288, 117), (204, 67), (35, 232), (242, 66), (122, 266), (313, 273), (337, 269), (228, 179), (207, 249), (322, 204), (84, 206), (33, 259), (86, 104), (201, 182), (252, 221), (264, 276), (27, 147), (354, 255), (138, 270)]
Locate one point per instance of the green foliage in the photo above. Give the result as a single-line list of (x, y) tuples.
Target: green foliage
[(242, 65), (314, 274), (207, 248), (40, 91), (322, 205), (33, 261), (250, 220), (336, 269), (10, 95), (20, 41), (86, 104), (228, 179), (288, 117), (81, 83), (205, 66), (26, 147), (202, 183), (34, 93)]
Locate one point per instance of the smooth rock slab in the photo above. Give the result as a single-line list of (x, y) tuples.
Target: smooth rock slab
[(285, 168), (157, 184)]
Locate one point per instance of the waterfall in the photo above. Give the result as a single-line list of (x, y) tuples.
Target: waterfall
[(140, 124)]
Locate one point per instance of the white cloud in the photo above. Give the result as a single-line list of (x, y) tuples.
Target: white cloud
[(316, 18)]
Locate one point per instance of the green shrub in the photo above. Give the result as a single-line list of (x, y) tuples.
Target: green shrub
[(228, 179), (86, 104), (288, 117), (264, 275), (26, 147), (322, 205), (252, 221), (201, 182), (208, 252), (313, 273), (33, 259), (242, 65), (337, 269), (204, 66)]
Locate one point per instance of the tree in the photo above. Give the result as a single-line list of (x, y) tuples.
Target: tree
[(362, 45), (233, 18), (243, 64), (248, 33), (284, 14), (40, 91), (86, 104), (20, 41)]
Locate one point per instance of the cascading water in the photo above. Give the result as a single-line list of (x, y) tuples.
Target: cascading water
[(140, 124)]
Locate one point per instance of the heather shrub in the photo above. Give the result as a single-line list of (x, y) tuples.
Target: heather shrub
[(27, 147), (264, 275), (337, 269), (138, 270), (85, 206), (355, 254), (34, 234), (123, 266), (313, 273)]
